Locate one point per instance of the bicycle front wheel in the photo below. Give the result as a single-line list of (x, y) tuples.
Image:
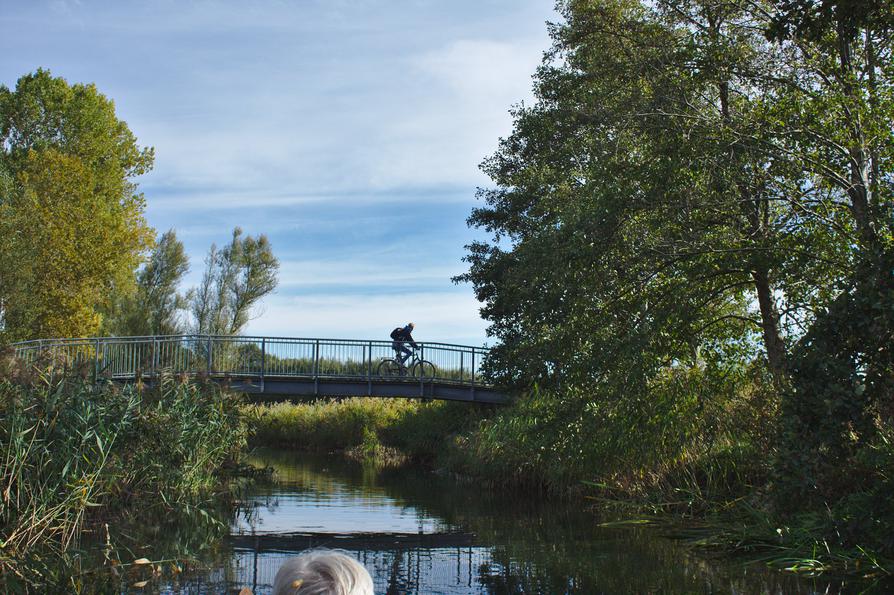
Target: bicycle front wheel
[(388, 367), (424, 370)]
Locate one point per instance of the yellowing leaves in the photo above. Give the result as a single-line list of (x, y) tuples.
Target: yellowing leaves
[(71, 223)]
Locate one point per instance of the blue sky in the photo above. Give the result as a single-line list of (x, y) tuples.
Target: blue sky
[(350, 132)]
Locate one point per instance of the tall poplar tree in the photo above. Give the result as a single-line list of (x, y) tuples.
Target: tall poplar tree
[(71, 218), (155, 306), (236, 277)]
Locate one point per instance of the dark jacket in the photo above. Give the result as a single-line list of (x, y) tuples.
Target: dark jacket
[(403, 335)]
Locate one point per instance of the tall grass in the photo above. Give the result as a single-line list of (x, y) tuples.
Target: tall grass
[(421, 429), (72, 450)]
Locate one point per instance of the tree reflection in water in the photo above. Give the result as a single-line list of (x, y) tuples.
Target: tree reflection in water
[(418, 533), (415, 532)]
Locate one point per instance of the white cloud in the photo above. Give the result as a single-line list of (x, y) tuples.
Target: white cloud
[(479, 71), (423, 119), (65, 7), (162, 199), (256, 96), (470, 86), (439, 317), (296, 274)]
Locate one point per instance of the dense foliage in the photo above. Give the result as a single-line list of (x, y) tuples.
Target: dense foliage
[(71, 219), (691, 256)]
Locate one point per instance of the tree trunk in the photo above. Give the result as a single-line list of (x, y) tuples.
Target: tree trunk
[(757, 229), (860, 183), (775, 346)]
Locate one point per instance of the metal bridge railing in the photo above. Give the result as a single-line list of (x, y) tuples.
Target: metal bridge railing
[(250, 357)]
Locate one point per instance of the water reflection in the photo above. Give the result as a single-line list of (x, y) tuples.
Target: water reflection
[(417, 533)]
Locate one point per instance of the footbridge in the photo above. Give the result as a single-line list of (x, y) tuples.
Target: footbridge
[(278, 368)]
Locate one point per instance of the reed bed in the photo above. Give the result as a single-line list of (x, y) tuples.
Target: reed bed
[(73, 451)]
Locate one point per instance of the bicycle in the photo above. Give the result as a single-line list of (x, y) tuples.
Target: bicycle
[(415, 366)]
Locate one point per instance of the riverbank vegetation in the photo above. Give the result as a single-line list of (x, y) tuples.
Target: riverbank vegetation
[(690, 266), (76, 453), (77, 258), (370, 427)]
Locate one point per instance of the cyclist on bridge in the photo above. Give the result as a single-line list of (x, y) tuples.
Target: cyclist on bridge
[(400, 336)]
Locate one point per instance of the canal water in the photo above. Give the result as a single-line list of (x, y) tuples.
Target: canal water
[(417, 532)]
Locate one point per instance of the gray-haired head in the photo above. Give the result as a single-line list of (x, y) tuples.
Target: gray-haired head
[(322, 572)]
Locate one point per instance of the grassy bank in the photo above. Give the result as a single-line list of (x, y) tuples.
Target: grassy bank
[(74, 452), (421, 430)]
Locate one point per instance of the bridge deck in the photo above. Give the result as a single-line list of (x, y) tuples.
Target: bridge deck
[(277, 368)]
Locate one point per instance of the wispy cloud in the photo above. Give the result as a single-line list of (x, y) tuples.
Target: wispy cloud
[(457, 120), (180, 198), (304, 274), (442, 317)]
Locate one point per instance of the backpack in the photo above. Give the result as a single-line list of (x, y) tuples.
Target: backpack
[(397, 333)]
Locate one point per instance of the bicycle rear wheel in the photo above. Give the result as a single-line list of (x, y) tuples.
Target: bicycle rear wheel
[(423, 370), (388, 367)]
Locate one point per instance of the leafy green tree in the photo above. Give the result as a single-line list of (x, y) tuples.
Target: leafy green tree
[(631, 222), (156, 305), (71, 219), (704, 187), (669, 136), (812, 19), (834, 118), (236, 277)]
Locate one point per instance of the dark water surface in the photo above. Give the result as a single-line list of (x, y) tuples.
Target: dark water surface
[(417, 533)]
